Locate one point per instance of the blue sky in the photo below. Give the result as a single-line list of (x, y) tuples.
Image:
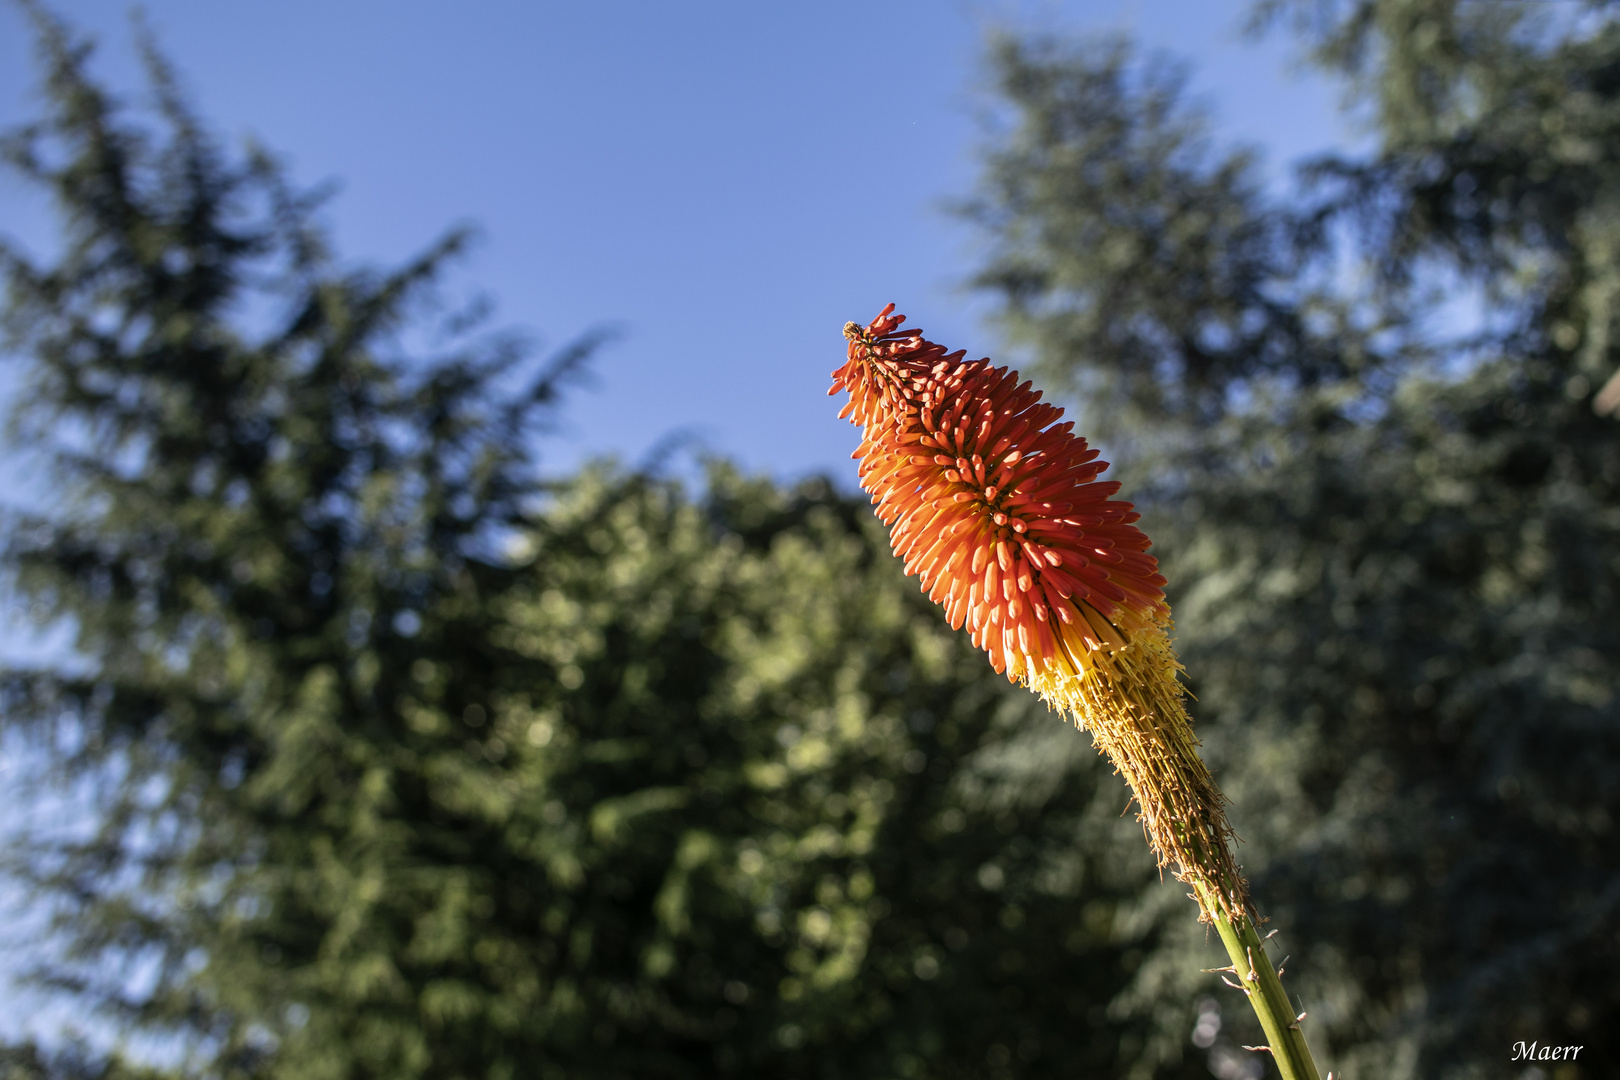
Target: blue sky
[(726, 182)]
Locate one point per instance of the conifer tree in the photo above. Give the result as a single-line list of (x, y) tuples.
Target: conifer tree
[(1395, 544), (404, 763)]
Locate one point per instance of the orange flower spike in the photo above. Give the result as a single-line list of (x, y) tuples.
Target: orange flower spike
[(997, 508)]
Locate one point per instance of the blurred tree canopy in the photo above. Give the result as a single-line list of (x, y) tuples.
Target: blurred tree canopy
[(1361, 420), (398, 761), (403, 762)]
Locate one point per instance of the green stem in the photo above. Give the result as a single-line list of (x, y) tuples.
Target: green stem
[(1252, 969)]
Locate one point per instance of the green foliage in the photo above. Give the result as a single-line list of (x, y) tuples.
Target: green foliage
[(73, 1062), (1398, 572), (402, 763), (1141, 266)]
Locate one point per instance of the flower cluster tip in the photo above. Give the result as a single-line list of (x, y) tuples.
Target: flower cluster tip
[(998, 508)]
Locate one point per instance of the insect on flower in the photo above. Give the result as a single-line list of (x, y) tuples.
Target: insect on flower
[(998, 508)]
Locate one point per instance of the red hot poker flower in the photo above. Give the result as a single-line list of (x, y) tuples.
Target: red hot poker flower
[(998, 509)]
